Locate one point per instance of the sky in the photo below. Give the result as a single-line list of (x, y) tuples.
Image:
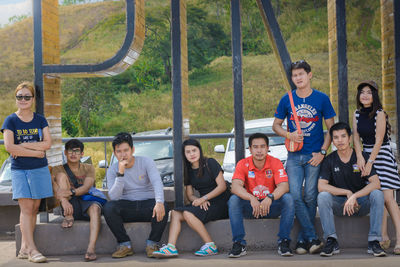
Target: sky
[(9, 8)]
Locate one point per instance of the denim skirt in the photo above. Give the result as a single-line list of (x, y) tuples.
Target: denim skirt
[(33, 183)]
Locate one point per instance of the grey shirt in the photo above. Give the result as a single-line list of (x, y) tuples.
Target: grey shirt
[(140, 182)]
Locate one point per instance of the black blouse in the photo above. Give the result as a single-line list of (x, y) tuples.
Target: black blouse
[(366, 127)]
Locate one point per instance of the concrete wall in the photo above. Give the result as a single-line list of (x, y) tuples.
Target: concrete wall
[(261, 234)]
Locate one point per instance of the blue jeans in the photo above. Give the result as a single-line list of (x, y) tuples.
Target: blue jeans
[(240, 208), (299, 172), (330, 205)]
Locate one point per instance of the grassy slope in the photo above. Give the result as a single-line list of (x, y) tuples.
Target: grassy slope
[(210, 92)]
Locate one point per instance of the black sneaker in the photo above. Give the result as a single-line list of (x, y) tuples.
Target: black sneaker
[(315, 246), (284, 248), (331, 247), (301, 248), (375, 248), (238, 249)]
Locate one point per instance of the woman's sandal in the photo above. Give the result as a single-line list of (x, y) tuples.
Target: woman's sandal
[(37, 258), (22, 255), (396, 250), (67, 223), (90, 256), (385, 244)]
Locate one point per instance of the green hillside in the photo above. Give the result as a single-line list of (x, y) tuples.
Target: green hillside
[(140, 99)]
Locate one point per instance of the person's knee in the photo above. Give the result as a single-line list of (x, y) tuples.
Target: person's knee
[(376, 197), (94, 210), (234, 202), (187, 215), (324, 198), (287, 200), (110, 208)]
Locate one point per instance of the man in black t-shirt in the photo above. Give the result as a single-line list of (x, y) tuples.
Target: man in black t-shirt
[(343, 191)]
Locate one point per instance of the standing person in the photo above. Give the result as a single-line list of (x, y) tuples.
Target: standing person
[(370, 123), (69, 193), (260, 190), (346, 191), (26, 138), (136, 193), (312, 108), (206, 176)]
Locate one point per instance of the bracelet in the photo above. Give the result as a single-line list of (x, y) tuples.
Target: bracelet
[(287, 135), (205, 197), (371, 161)]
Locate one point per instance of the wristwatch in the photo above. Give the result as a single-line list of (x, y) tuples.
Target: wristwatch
[(120, 174), (271, 196), (323, 152), (73, 192)]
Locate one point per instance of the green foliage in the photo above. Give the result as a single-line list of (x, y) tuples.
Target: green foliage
[(87, 102), (16, 18)]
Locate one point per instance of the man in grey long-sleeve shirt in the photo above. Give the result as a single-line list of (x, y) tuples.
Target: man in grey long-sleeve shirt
[(136, 193)]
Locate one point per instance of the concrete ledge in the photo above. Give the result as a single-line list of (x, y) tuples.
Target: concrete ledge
[(9, 212), (261, 234)]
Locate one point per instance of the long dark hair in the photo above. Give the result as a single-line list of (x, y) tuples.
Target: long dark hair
[(376, 102), (187, 164)]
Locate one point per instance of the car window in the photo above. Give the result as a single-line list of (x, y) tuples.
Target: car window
[(154, 149), (273, 141)]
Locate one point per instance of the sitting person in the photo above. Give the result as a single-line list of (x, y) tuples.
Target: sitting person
[(69, 191), (343, 191), (261, 190), (206, 176), (136, 193)]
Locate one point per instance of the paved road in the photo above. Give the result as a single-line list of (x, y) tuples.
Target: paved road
[(348, 257)]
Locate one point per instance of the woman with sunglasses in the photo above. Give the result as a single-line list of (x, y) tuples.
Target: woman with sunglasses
[(371, 125), (204, 175), (26, 138)]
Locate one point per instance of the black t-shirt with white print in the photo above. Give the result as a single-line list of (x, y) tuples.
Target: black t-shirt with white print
[(344, 175)]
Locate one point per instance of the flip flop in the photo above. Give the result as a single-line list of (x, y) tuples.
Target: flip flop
[(90, 256), (396, 250), (23, 255), (67, 223), (37, 258)]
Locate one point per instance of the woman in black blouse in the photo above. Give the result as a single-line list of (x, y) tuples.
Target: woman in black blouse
[(371, 126), (206, 176)]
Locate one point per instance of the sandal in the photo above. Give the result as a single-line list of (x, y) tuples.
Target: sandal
[(396, 250), (22, 255), (385, 244), (67, 223), (90, 256), (37, 258)]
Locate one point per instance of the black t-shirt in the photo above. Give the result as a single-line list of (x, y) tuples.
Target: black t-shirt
[(344, 175), (206, 183)]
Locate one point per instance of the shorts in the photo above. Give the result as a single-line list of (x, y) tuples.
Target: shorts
[(34, 183), (80, 208)]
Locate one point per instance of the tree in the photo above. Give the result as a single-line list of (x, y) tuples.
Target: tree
[(87, 102)]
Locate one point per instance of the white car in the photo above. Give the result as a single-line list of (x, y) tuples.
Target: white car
[(277, 147)]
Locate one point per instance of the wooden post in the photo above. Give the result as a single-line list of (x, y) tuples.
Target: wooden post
[(388, 63)]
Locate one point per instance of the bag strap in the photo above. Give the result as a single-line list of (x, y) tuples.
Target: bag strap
[(71, 175), (296, 119)]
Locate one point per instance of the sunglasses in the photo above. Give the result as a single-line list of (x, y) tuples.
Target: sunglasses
[(26, 97), (298, 62)]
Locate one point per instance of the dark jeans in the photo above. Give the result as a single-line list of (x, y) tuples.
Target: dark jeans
[(117, 212)]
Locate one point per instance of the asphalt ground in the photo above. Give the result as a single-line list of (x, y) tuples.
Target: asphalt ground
[(270, 258)]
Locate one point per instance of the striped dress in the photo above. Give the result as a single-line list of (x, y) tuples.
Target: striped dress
[(385, 162)]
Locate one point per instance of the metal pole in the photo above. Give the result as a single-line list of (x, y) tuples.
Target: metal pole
[(177, 100), (342, 61), (38, 55), (237, 79)]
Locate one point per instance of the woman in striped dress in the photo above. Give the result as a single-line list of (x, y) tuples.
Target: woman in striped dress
[(370, 123)]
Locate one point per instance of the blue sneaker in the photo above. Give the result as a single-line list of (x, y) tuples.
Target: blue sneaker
[(207, 250), (166, 251)]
